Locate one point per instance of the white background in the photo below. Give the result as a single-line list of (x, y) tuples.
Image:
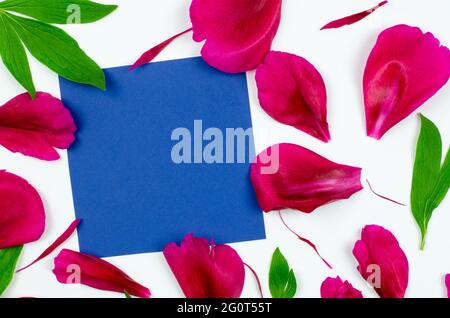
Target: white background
[(340, 56)]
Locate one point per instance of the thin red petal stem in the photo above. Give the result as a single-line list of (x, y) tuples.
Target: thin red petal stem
[(258, 281), (60, 240), (148, 56), (382, 196), (304, 240), (352, 18)]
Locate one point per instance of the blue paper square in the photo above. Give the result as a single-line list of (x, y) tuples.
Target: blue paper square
[(130, 194)]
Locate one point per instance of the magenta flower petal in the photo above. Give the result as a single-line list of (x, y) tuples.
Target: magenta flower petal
[(233, 43), (206, 271), (404, 70), (293, 177), (382, 262), (351, 19), (447, 284), (22, 214), (336, 288), (77, 268), (60, 240), (292, 91), (35, 127)]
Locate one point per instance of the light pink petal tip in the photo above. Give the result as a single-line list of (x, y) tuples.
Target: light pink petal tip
[(22, 214), (405, 69), (292, 91), (238, 34), (382, 262), (351, 19), (35, 127), (287, 176), (206, 271), (447, 284), (336, 288), (148, 56), (60, 240), (77, 268)]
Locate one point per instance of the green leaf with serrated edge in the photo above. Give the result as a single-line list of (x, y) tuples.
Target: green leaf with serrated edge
[(8, 262), (14, 56), (59, 11), (58, 51), (282, 282), (430, 181)]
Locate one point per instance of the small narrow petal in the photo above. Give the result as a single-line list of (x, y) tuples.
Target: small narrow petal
[(34, 127), (352, 18), (238, 34), (60, 240), (22, 214), (206, 271), (77, 268), (258, 281), (447, 284), (404, 70), (287, 176), (382, 262), (292, 91), (305, 240), (148, 56), (382, 196), (336, 288)]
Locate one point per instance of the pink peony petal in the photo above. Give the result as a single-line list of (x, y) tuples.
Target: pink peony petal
[(238, 34), (77, 268), (447, 284), (352, 18), (204, 270), (35, 127), (293, 177), (22, 214), (258, 281), (293, 92), (148, 56), (60, 240), (404, 70), (382, 262), (336, 288)]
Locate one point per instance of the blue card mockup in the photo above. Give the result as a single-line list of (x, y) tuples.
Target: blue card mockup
[(143, 170)]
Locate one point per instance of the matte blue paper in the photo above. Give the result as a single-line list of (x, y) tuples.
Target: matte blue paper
[(130, 195)]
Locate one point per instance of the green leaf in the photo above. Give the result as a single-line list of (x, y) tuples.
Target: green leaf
[(8, 262), (58, 51), (430, 182), (59, 11), (282, 282), (14, 56), (127, 295)]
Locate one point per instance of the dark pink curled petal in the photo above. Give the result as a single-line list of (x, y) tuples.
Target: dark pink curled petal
[(148, 56), (238, 34), (292, 91), (351, 19), (336, 288), (447, 284), (35, 127), (77, 268), (206, 271), (22, 214), (382, 262), (287, 176), (60, 240), (405, 69)]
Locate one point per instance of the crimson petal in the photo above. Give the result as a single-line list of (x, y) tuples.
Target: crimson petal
[(336, 288), (382, 261), (238, 34), (293, 177), (405, 69), (292, 91), (77, 268), (22, 214), (447, 284), (206, 271), (34, 127)]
